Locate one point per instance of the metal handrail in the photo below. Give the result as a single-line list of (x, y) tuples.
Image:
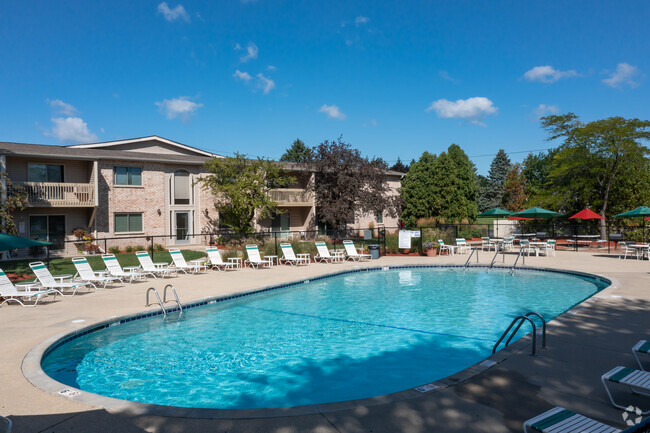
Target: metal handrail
[(496, 253), (543, 346), (470, 258), (512, 269), (180, 307), (159, 301), (518, 320)]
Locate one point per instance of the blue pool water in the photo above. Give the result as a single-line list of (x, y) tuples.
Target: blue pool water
[(350, 336)]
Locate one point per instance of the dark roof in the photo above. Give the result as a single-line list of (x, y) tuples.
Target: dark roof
[(63, 152)]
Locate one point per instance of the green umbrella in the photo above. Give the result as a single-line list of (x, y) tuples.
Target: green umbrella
[(497, 212), (537, 213), (641, 211), (10, 242)]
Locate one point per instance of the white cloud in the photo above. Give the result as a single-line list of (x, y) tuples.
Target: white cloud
[(71, 130), (181, 107), (178, 13), (361, 20), (264, 83), (624, 75), (445, 76), (62, 107), (251, 51), (271, 68), (332, 111), (244, 76), (238, 47), (548, 74), (544, 110), (472, 109)]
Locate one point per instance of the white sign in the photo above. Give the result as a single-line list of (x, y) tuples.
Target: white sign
[(404, 240)]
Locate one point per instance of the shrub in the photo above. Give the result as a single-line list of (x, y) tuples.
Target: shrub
[(79, 233), (129, 249), (139, 248), (114, 250), (158, 247)]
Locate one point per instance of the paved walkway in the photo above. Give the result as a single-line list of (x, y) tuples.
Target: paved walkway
[(582, 346)]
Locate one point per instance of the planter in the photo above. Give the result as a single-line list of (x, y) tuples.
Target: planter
[(432, 252)]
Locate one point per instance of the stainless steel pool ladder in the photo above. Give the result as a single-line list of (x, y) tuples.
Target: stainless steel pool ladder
[(496, 253), (162, 307), (519, 320), (521, 251), (178, 302), (470, 258)]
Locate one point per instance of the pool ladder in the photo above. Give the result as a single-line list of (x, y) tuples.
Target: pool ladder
[(474, 250), (521, 254), (519, 320), (164, 300)]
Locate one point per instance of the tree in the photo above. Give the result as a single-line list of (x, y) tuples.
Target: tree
[(15, 199), (454, 186), (298, 152), (594, 158), (494, 188), (481, 200), (347, 184), (417, 187), (240, 187), (399, 166), (515, 196)]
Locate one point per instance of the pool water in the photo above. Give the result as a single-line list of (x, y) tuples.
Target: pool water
[(341, 338)]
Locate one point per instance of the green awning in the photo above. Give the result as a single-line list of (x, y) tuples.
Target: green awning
[(496, 212), (10, 242), (537, 213), (641, 211)]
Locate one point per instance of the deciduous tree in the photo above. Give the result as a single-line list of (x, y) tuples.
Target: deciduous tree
[(417, 190), (15, 198)]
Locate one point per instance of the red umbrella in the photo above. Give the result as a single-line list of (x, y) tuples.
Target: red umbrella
[(586, 214), (514, 218)]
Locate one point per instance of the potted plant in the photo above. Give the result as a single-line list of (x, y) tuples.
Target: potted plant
[(430, 249)]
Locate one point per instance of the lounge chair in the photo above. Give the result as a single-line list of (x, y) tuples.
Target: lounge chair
[(486, 243), (290, 257), (116, 270), (86, 273), (156, 269), (449, 248), (181, 265), (462, 246), (352, 253), (9, 292), (48, 281), (643, 346), (560, 420), (254, 259), (637, 380), (216, 261), (325, 256)]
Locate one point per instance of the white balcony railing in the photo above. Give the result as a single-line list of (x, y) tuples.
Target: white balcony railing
[(292, 196), (57, 194)]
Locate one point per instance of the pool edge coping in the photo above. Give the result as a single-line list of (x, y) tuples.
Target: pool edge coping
[(32, 371)]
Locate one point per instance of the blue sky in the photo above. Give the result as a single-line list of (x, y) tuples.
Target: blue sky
[(394, 78)]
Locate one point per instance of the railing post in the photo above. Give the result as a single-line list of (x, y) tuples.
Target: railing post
[(275, 239)]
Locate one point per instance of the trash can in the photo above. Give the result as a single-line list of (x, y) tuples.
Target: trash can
[(374, 251)]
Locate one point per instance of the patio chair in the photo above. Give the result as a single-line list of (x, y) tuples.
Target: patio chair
[(560, 420), (325, 256), (444, 247), (462, 246), (626, 249), (48, 281), (86, 273), (255, 260), (642, 347), (216, 261), (486, 243), (637, 380), (156, 269), (508, 243), (290, 257), (181, 265), (526, 247), (9, 292), (353, 254), (549, 248), (116, 270)]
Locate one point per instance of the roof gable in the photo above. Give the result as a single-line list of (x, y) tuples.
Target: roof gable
[(152, 144)]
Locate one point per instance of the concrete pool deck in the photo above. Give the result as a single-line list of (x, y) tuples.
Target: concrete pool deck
[(581, 347)]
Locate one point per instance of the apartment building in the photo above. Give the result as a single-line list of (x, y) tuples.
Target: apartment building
[(135, 187)]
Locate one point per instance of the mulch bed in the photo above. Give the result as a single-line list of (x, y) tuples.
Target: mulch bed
[(18, 277)]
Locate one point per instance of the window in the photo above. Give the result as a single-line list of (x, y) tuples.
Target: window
[(181, 187), (128, 176), (44, 173), (48, 228), (128, 222), (379, 217)]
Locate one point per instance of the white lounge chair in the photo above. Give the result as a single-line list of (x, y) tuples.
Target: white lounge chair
[(254, 259), (560, 420), (637, 380), (180, 263), (116, 270), (462, 246), (156, 269), (216, 261), (49, 282), (451, 249), (643, 347), (549, 248), (352, 253), (86, 273), (290, 257), (325, 256), (9, 292)]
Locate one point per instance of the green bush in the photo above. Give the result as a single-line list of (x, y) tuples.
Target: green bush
[(114, 250), (129, 249), (158, 247), (139, 248)]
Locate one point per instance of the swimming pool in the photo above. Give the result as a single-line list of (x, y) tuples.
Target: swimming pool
[(349, 336)]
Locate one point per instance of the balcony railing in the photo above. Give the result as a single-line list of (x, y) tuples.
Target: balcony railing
[(56, 194), (292, 196)]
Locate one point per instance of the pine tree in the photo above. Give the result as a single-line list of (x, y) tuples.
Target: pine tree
[(399, 166), (298, 152), (499, 168), (417, 189)]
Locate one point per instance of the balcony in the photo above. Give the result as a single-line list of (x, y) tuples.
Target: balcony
[(55, 194), (292, 197)]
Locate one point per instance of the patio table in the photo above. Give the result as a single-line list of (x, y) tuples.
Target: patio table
[(643, 249), (537, 246)]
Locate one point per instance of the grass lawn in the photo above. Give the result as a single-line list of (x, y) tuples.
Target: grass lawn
[(60, 266)]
